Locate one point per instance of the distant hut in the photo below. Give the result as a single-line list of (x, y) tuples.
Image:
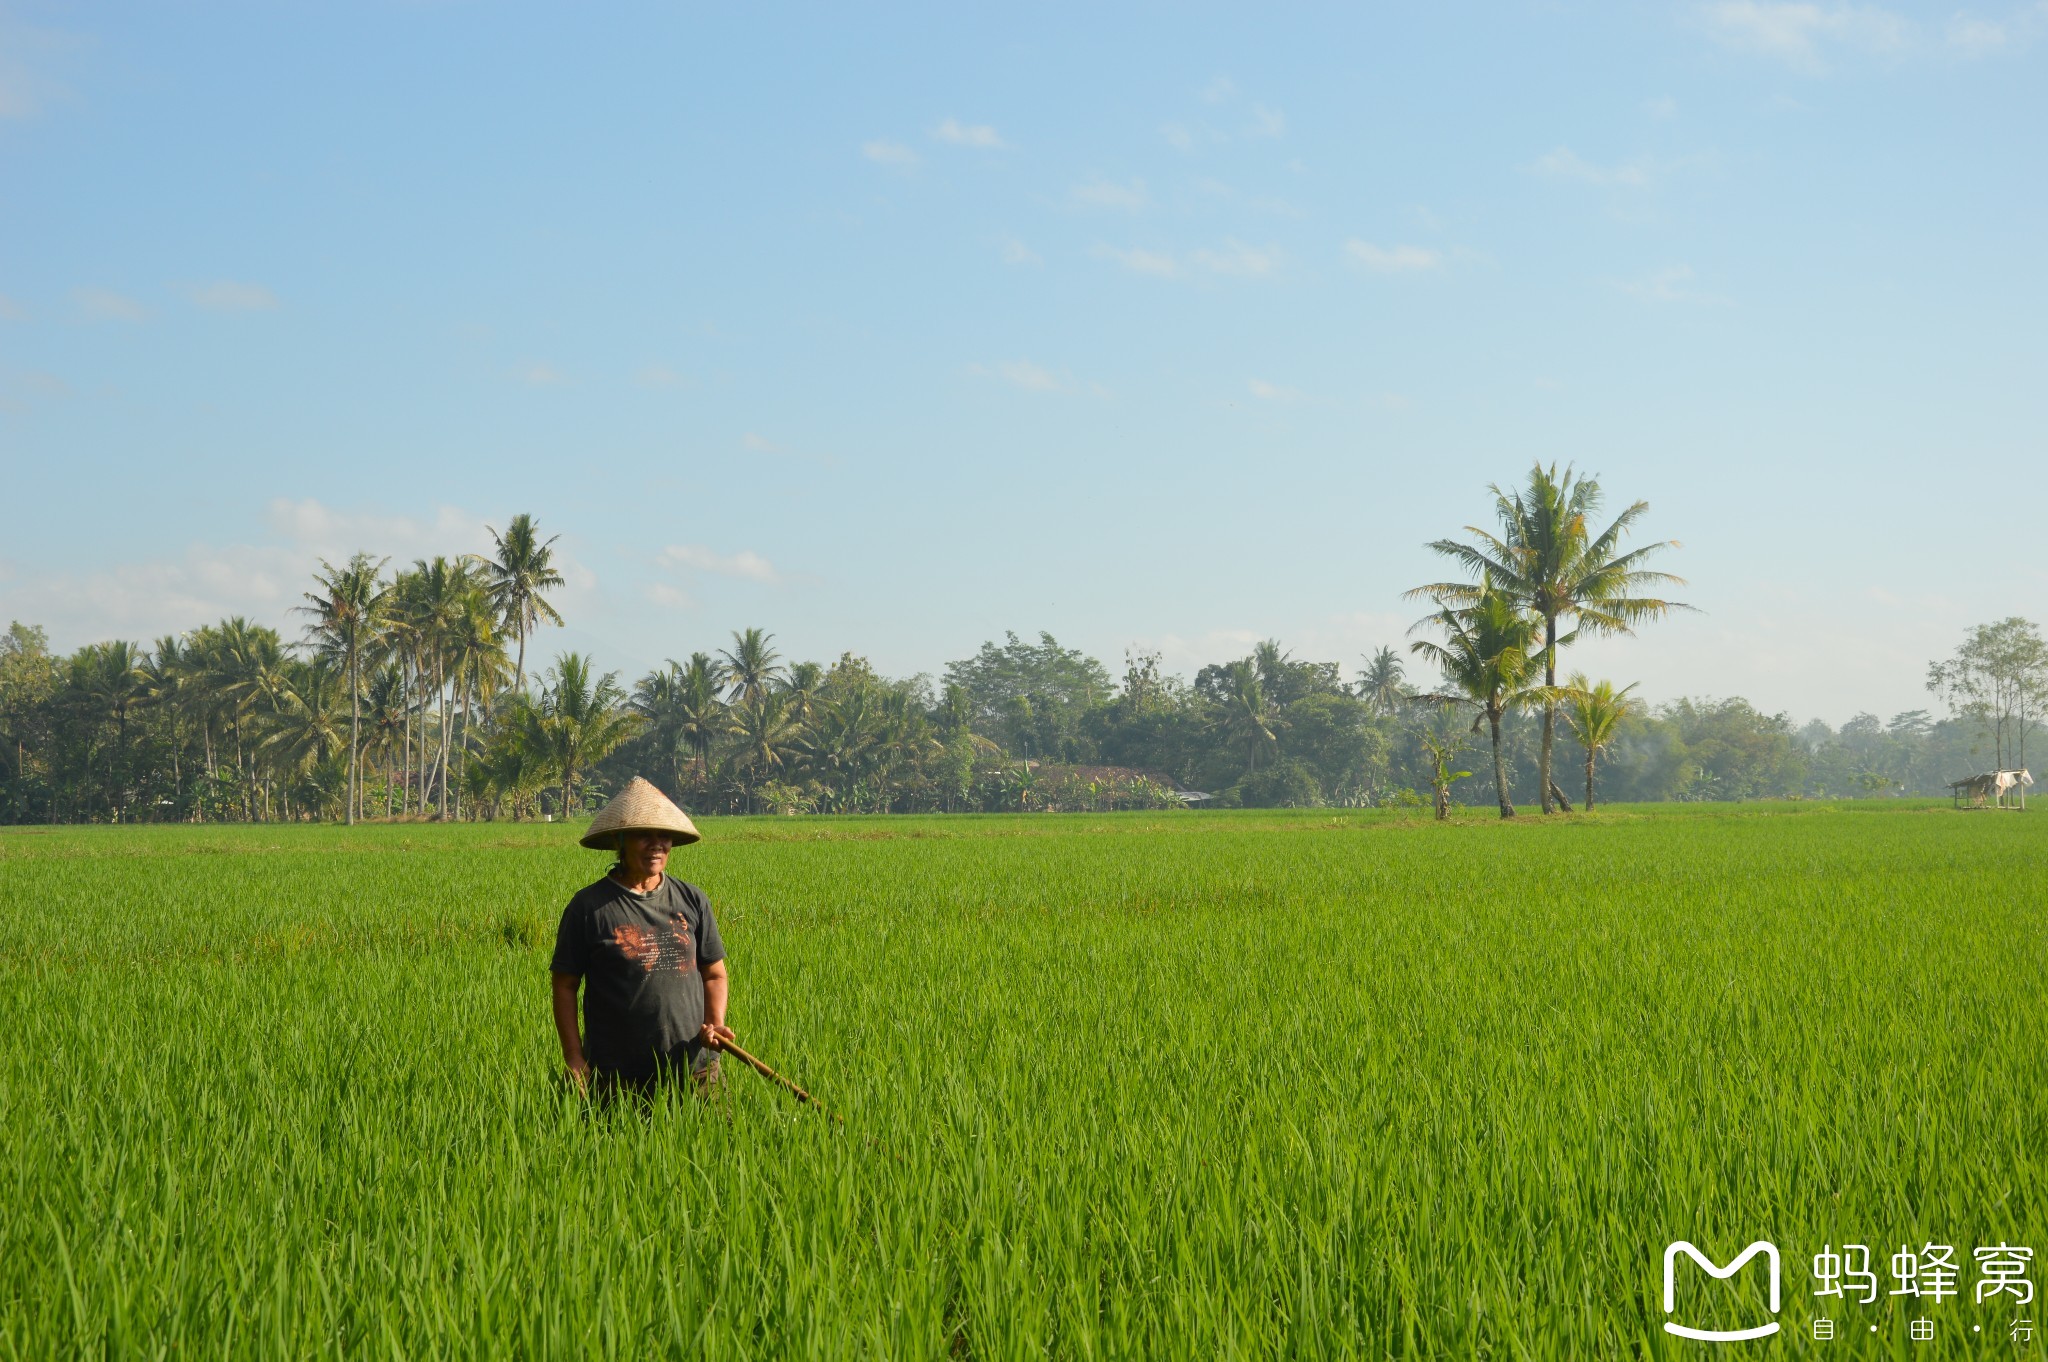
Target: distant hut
[(1991, 790)]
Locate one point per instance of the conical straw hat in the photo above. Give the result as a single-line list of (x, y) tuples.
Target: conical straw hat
[(638, 808)]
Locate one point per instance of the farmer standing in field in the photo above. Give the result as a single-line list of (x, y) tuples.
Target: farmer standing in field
[(646, 948)]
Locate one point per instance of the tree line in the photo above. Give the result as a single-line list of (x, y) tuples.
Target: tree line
[(405, 694)]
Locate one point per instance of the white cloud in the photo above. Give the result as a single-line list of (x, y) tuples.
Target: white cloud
[(746, 564), (1101, 193), (889, 154), (959, 134), (1562, 163), (1662, 107), (540, 374), (660, 376), (1234, 257), (1141, 261), (1672, 285), (1974, 37), (41, 383), (1272, 392), (1393, 259), (1219, 90), (1015, 252), (325, 531), (1177, 136), (107, 306), (27, 56), (11, 311), (205, 583), (674, 597), (1267, 122), (18, 95), (144, 600), (225, 295), (761, 444), (1020, 373), (1799, 32)]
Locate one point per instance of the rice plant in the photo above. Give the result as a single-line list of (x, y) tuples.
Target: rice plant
[(1306, 1084)]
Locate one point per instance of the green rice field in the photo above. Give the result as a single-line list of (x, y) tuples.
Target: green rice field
[(1300, 1084)]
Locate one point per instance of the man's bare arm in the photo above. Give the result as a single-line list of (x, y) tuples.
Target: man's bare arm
[(716, 983), (565, 986)]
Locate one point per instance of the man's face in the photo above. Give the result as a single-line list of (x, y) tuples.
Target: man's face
[(644, 854)]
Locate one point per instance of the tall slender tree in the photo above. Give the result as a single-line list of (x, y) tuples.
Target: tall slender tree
[(344, 615), (751, 666), (478, 664), (519, 576), (1595, 711), (1249, 717), (1489, 655), (1547, 559), (580, 719), (1998, 676), (1379, 685)]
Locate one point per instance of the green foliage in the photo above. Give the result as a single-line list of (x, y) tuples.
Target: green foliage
[(517, 580), (1032, 697), (1548, 560), (1595, 712), (405, 687), (297, 1097), (1489, 657), (1289, 783), (1998, 679)]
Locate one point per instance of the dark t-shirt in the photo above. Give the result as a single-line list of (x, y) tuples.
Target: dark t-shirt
[(640, 957)]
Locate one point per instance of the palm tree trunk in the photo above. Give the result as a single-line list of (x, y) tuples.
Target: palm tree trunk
[(355, 724), (405, 738), (1589, 780), (446, 714), (462, 752), (1500, 770), (1549, 706), (522, 655)]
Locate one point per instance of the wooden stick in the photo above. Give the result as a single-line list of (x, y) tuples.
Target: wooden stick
[(770, 1074)]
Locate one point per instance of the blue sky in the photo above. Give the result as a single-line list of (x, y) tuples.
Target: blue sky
[(1164, 327)]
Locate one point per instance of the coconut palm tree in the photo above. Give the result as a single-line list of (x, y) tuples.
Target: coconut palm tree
[(681, 717), (1489, 655), (304, 731), (245, 668), (107, 685), (701, 717), (444, 609), (800, 684), (839, 743), (1594, 713), (344, 618), (581, 717), (1441, 742), (522, 570), (478, 664), (1249, 717), (168, 689), (763, 734), (1547, 559), (388, 722), (750, 666), (1379, 685)]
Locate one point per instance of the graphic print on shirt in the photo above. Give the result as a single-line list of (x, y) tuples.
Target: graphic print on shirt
[(662, 948)]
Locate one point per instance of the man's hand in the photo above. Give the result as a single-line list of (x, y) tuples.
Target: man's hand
[(579, 1075), (715, 1034)]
